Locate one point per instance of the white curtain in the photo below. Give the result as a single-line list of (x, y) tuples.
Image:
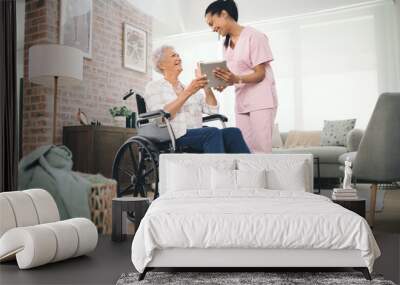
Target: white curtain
[(329, 65)]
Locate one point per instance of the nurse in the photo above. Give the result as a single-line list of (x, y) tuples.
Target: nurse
[(248, 57)]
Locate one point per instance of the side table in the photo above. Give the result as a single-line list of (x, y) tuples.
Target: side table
[(138, 205), (357, 206), (316, 161)]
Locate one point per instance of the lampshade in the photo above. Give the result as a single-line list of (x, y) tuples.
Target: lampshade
[(51, 60)]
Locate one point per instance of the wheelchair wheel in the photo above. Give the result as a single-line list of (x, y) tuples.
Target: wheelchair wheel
[(135, 168)]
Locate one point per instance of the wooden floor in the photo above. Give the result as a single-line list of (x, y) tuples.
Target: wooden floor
[(110, 260), (388, 220), (389, 263), (103, 266)]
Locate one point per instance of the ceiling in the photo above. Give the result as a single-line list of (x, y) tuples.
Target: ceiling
[(186, 16)]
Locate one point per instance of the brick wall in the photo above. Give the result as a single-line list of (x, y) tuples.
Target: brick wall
[(104, 78)]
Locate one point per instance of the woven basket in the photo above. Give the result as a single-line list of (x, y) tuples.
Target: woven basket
[(100, 204), (103, 190)]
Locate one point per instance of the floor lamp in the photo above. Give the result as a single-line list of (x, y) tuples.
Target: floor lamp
[(55, 66)]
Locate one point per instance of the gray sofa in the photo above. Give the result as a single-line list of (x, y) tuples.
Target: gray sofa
[(328, 155)]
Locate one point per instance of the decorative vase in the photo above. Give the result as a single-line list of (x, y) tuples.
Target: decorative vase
[(120, 121)]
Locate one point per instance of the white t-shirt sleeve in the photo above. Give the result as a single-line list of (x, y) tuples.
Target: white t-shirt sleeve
[(157, 95), (205, 108)]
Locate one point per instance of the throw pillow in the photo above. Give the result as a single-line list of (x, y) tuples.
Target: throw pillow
[(276, 137), (334, 133)]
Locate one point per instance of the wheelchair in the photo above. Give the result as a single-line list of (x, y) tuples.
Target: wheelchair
[(135, 166)]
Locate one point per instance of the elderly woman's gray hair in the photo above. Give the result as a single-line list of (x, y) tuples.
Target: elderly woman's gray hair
[(157, 56)]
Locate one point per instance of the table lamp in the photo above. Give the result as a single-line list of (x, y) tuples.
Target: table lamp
[(53, 65)]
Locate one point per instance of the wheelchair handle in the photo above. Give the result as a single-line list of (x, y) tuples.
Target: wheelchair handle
[(129, 94), (155, 114), (215, 117), (144, 117)]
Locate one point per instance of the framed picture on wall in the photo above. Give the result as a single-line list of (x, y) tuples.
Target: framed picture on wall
[(76, 25), (135, 48)]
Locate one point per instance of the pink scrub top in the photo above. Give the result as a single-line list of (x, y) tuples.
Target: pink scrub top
[(252, 49)]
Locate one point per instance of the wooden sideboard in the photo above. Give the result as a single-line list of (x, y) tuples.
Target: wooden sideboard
[(94, 147)]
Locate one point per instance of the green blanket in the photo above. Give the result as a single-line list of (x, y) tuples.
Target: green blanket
[(50, 167)]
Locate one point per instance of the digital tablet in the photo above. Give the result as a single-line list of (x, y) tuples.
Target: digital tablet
[(207, 69)]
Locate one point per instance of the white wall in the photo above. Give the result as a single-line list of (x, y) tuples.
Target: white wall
[(397, 8), (329, 66)]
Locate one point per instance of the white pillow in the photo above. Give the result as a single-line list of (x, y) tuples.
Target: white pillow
[(294, 180), (289, 174), (223, 179), (193, 175), (251, 178)]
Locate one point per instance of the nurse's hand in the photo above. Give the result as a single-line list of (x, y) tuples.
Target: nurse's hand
[(226, 75), (220, 88)]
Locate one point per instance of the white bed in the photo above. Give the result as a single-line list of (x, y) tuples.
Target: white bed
[(214, 211)]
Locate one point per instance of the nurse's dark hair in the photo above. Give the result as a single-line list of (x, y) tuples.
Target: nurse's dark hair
[(229, 6)]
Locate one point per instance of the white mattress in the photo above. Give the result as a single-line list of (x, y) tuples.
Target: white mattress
[(250, 219)]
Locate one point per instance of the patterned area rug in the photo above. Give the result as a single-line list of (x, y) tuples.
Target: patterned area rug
[(243, 278)]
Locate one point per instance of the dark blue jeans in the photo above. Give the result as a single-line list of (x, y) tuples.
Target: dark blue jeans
[(214, 140)]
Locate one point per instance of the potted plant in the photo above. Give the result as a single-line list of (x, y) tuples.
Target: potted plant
[(119, 115)]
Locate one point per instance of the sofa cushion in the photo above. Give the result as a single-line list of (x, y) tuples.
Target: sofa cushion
[(303, 139), (347, 156), (353, 139), (326, 154), (334, 133)]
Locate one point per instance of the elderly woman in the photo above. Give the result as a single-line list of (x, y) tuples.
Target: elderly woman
[(186, 104)]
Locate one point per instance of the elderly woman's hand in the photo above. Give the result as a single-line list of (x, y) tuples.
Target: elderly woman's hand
[(196, 84), (226, 75)]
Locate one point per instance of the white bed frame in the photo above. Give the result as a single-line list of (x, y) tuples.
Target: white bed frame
[(253, 258), (233, 257), (256, 258)]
